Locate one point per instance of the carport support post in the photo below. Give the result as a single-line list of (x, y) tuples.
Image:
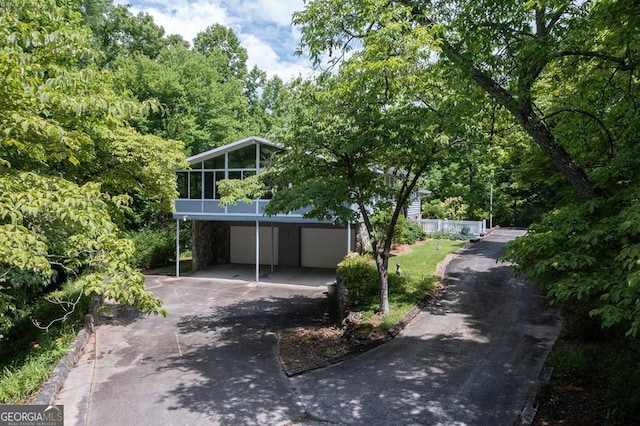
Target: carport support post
[(348, 237), (257, 251), (178, 248)]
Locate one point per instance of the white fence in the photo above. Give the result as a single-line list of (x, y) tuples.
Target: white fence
[(432, 226)]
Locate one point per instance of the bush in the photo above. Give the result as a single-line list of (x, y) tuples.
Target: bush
[(412, 232), (464, 234), (29, 354), (157, 246), (360, 277)]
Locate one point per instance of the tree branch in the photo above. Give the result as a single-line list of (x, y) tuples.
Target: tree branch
[(624, 65), (590, 115)]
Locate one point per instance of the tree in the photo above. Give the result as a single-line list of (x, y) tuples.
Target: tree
[(357, 139), (220, 41), (68, 160), (566, 73), (202, 108), (117, 32), (502, 47)]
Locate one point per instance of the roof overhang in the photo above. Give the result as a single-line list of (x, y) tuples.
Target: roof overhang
[(216, 152)]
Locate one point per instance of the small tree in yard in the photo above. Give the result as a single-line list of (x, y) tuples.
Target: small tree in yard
[(353, 139), (349, 154)]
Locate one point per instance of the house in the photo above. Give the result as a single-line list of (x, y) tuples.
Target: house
[(241, 233)]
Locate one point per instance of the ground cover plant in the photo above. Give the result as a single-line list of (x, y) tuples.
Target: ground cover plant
[(28, 354)]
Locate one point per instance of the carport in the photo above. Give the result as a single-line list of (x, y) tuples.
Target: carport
[(281, 242)]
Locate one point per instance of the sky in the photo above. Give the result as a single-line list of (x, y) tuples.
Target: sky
[(262, 26)]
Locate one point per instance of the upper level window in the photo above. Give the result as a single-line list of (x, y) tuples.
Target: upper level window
[(244, 158), (201, 181)]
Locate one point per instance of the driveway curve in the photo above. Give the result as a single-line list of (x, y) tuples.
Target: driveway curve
[(471, 358)]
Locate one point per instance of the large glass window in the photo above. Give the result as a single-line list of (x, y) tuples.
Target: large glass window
[(209, 185), (183, 184), (267, 155), (215, 163), (244, 158), (233, 174), (195, 185)]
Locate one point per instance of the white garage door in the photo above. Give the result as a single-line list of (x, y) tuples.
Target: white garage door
[(243, 245), (322, 248)]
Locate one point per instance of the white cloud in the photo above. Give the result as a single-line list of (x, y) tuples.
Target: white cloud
[(276, 11), (184, 17), (263, 27), (264, 57)]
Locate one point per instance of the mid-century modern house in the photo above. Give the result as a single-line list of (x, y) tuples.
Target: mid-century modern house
[(241, 233)]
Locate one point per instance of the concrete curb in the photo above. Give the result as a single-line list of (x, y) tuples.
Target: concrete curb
[(51, 387), (530, 409)]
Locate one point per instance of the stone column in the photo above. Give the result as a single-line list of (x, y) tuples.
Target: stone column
[(210, 242)]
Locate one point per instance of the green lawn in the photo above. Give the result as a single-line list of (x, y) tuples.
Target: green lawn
[(418, 278)]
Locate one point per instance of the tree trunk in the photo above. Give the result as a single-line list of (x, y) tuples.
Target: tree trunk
[(556, 153), (382, 262), (520, 106), (522, 110)]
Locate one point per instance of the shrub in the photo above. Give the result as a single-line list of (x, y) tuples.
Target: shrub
[(157, 246), (464, 234), (360, 277), (412, 232)]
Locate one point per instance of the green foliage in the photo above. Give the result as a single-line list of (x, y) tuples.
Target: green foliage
[(412, 233), (464, 234), (623, 391), (360, 277), (405, 290), (69, 162), (381, 223), (610, 368), (28, 354), (452, 208), (588, 254), (157, 246), (50, 220)]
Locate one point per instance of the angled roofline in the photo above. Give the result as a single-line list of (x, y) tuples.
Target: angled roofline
[(230, 147)]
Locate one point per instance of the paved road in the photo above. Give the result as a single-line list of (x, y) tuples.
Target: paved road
[(470, 359)]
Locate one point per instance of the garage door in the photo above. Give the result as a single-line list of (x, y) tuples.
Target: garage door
[(243, 245), (322, 248)]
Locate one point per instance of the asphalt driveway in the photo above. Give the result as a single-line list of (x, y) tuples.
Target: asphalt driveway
[(472, 358)]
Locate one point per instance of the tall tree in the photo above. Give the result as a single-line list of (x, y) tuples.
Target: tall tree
[(219, 40), (502, 47), (117, 32), (201, 107), (566, 72), (60, 197)]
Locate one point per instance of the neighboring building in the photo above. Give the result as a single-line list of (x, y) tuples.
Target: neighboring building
[(241, 233)]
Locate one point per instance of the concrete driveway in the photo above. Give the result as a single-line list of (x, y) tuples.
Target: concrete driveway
[(211, 361), (472, 358)]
